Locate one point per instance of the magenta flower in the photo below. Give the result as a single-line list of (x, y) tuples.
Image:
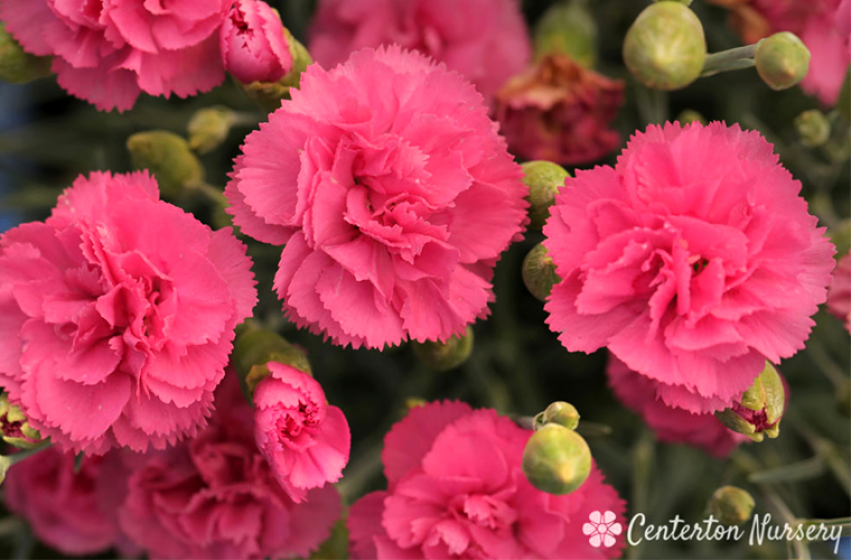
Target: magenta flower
[(305, 441), (118, 315), (670, 424), (839, 295), (456, 489), (216, 497), (694, 261), (66, 510), (486, 41), (109, 51), (254, 46), (393, 194)]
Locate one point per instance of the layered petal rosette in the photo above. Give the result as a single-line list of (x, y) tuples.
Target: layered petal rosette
[(486, 41), (305, 441), (393, 194), (694, 261), (216, 497), (456, 489), (670, 424), (254, 44), (109, 51), (117, 316)]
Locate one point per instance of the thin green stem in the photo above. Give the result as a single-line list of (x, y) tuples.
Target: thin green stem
[(731, 59), (16, 458)]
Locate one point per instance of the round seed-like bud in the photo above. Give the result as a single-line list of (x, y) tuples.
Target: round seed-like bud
[(209, 128), (665, 48), (556, 460), (782, 60), (443, 356), (539, 272), (689, 116), (168, 157), (544, 179), (18, 66), (563, 414), (731, 505), (567, 28), (813, 128)]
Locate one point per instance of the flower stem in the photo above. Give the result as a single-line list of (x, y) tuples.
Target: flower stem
[(16, 458), (731, 59)]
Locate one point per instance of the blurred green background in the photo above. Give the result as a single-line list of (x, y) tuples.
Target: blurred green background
[(518, 366)]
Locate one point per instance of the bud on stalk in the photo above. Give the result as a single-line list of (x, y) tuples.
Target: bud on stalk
[(15, 426), (731, 505), (443, 356), (556, 460), (567, 28), (757, 414), (209, 128), (167, 156), (539, 272), (254, 348), (813, 128), (782, 60), (544, 180)]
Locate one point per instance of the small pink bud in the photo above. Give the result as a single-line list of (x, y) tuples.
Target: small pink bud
[(254, 43)]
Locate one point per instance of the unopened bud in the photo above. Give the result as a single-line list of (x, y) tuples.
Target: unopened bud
[(556, 460), (689, 116), (539, 272), (18, 66), (813, 128), (757, 414), (443, 356), (268, 95), (5, 465), (731, 505), (15, 427), (168, 157), (782, 60), (561, 413), (414, 402), (665, 48), (209, 128), (254, 44), (567, 28), (254, 348), (544, 180)]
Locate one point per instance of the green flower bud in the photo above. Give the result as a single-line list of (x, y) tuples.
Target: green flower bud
[(209, 128), (268, 95), (544, 179), (169, 158), (665, 47), (254, 348), (18, 66), (414, 402), (5, 465), (689, 116), (556, 460), (567, 28), (15, 427), (731, 505), (813, 128), (757, 413), (561, 413), (782, 60), (443, 356), (539, 272)]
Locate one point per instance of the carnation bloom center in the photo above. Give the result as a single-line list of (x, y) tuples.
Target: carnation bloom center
[(483, 510), (291, 421)]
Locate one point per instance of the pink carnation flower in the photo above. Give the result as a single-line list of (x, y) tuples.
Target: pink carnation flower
[(254, 46), (393, 194), (117, 315), (456, 489), (839, 295), (66, 510), (672, 425), (305, 441), (109, 51), (216, 497), (694, 260), (484, 40)]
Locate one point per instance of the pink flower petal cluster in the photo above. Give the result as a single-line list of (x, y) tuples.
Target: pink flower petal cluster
[(253, 43), (670, 424), (66, 510), (216, 497), (109, 51), (393, 194), (486, 41), (117, 315), (305, 441), (823, 25), (694, 261), (839, 294), (456, 489)]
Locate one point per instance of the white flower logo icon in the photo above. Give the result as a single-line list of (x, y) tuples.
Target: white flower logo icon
[(602, 529)]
